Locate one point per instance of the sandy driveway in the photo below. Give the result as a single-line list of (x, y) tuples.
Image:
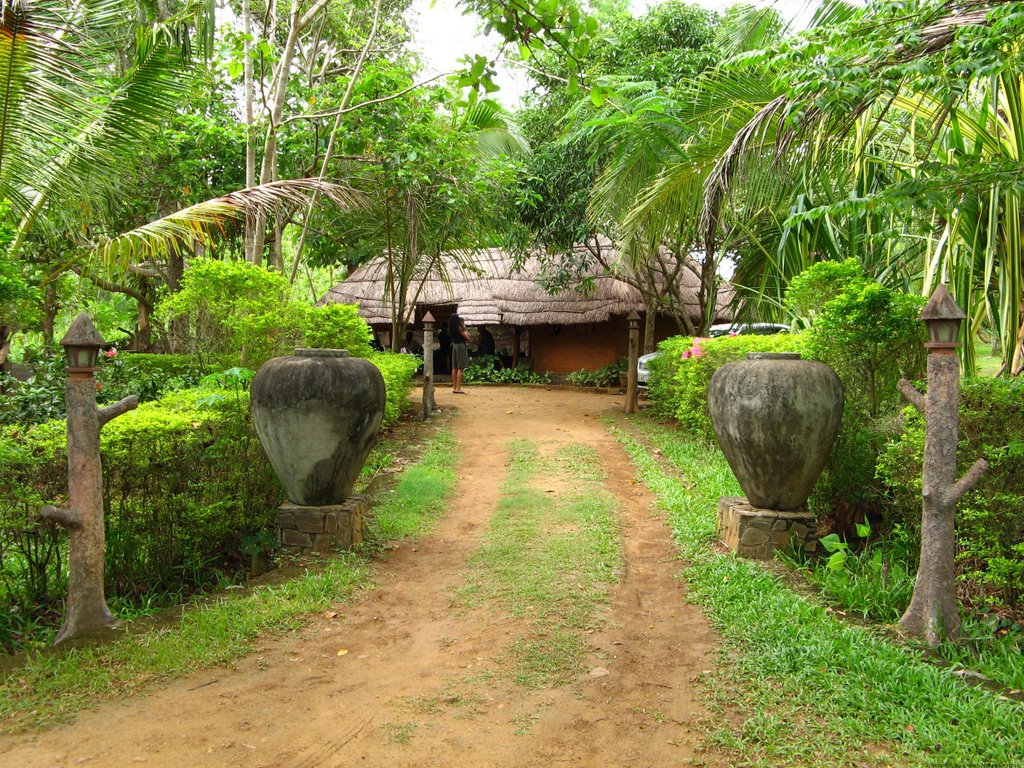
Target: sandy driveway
[(415, 688)]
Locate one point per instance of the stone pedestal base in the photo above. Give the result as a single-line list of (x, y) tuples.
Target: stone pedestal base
[(759, 533), (333, 526)]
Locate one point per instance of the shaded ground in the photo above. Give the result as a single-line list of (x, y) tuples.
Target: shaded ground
[(420, 683)]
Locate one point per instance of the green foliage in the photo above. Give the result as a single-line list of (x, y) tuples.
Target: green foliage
[(812, 288), (168, 531), (875, 579), (795, 670), (871, 336), (483, 369), (605, 376), (232, 308), (990, 531), (397, 370), (41, 397), (681, 374), (338, 326)]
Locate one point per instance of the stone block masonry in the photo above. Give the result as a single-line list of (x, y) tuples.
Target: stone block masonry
[(321, 529), (757, 533)]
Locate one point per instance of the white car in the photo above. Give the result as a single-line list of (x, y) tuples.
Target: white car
[(642, 371)]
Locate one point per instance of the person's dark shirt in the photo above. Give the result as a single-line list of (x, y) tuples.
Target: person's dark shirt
[(455, 329)]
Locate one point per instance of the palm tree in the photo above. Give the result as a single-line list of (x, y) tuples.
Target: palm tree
[(75, 106)]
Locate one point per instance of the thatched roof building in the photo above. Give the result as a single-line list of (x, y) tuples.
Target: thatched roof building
[(489, 292), (560, 332)]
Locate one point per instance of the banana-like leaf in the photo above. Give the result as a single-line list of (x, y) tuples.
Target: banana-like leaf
[(203, 222)]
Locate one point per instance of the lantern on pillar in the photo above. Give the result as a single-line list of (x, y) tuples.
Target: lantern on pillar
[(942, 317), (82, 344)]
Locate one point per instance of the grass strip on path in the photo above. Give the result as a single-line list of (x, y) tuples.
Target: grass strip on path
[(812, 690), (55, 683), (416, 502), (548, 557)]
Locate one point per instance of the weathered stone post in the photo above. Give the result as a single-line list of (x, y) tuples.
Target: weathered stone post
[(428, 365), (634, 354), (87, 608), (933, 613)]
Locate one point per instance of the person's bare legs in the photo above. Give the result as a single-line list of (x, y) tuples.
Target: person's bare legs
[(456, 380)]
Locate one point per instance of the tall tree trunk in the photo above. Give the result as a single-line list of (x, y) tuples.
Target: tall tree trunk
[(248, 87), (50, 308), (650, 316)]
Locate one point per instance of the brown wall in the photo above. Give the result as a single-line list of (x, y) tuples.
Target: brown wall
[(568, 348)]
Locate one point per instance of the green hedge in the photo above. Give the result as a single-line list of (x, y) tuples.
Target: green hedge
[(397, 370), (679, 385), (187, 488), (990, 524)]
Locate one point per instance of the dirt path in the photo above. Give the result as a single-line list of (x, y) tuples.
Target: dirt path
[(417, 686)]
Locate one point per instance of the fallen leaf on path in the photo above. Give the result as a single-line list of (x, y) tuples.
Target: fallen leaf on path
[(599, 672), (331, 615), (343, 651)]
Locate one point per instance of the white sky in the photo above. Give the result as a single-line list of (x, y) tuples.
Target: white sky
[(443, 34)]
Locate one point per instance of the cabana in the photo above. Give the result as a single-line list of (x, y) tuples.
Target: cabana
[(560, 333)]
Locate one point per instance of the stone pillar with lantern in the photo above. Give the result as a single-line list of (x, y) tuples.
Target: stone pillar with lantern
[(933, 613), (428, 366), (634, 354), (87, 609)]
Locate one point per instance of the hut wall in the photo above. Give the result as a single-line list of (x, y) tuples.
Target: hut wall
[(568, 348)]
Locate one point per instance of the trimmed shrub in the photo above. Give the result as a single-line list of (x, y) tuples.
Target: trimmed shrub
[(662, 387), (338, 326), (990, 527), (397, 370), (871, 336), (682, 374), (186, 486)]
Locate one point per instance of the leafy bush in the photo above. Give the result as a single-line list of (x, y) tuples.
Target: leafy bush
[(484, 369), (605, 376), (990, 529), (662, 388), (233, 308), (397, 370), (168, 528), (41, 397), (338, 326), (682, 373), (871, 336)]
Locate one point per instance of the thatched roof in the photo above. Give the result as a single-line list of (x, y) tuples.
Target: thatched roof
[(489, 292)]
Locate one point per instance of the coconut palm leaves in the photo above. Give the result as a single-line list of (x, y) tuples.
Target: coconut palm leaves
[(69, 112), (196, 225)]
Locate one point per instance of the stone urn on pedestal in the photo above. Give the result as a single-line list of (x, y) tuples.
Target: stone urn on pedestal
[(317, 413), (776, 417)]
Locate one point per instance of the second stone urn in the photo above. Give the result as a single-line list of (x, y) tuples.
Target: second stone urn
[(317, 413), (776, 417)]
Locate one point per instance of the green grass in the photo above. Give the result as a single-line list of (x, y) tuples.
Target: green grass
[(987, 363), (412, 507), (809, 688), (547, 559), (55, 683)]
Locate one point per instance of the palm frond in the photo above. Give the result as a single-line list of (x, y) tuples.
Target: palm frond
[(201, 223)]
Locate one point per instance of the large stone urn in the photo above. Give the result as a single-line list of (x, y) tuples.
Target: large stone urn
[(317, 413), (776, 417)]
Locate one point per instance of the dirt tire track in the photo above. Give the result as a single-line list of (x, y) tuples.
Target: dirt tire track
[(420, 684)]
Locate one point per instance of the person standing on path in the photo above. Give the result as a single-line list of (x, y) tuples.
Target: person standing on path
[(460, 349)]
